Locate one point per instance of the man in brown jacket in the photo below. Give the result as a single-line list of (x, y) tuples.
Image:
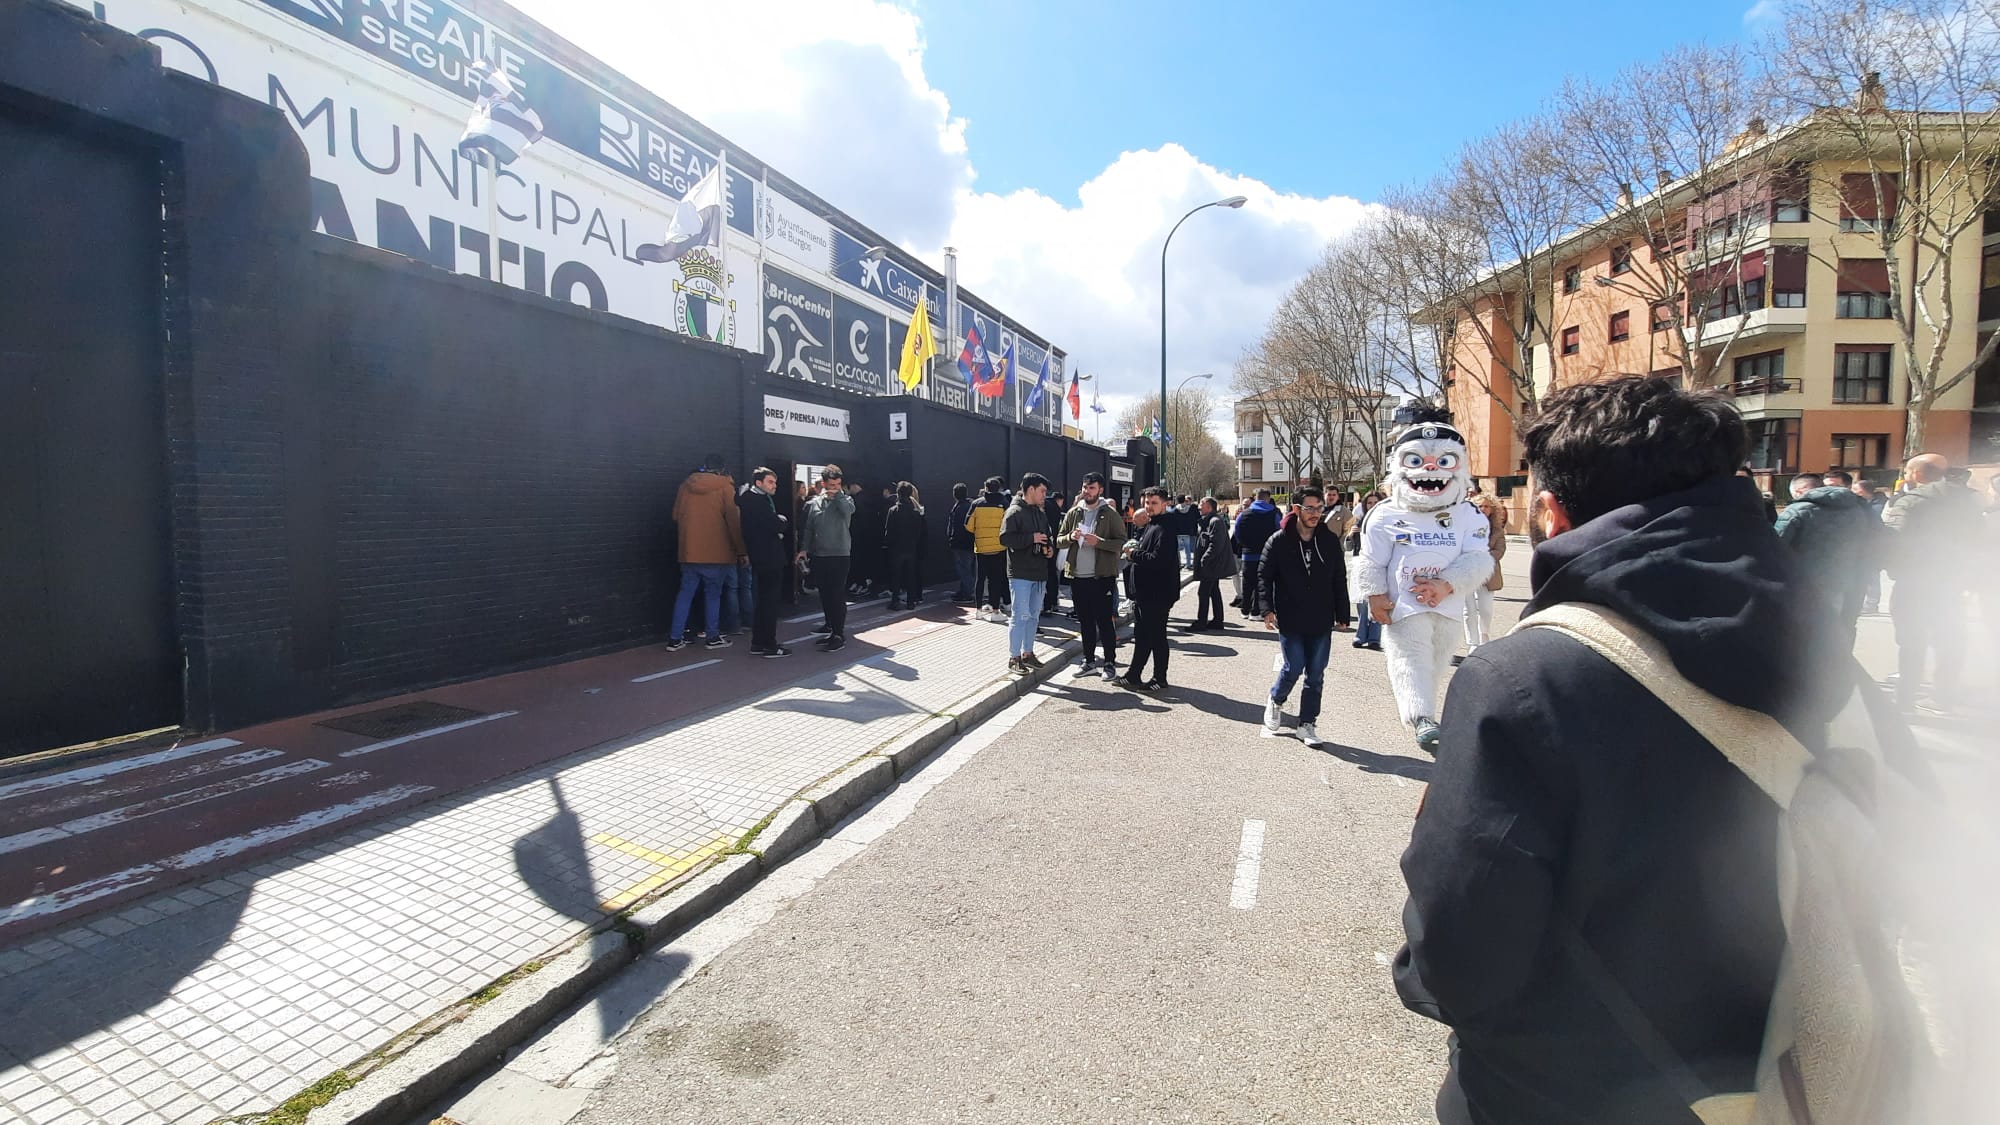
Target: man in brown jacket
[(711, 547)]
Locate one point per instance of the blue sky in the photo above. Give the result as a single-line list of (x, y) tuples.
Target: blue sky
[(1312, 98)]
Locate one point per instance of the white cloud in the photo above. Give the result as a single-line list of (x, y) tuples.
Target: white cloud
[(1764, 15), (834, 93)]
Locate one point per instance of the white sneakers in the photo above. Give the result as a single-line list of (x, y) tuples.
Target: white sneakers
[(1308, 735), (1274, 719)]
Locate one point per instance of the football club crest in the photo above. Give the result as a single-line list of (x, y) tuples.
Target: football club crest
[(701, 307)]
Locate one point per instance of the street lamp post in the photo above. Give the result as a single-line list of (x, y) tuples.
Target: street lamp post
[(1233, 201), (1163, 421)]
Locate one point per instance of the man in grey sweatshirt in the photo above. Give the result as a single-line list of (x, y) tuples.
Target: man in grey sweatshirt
[(825, 545)]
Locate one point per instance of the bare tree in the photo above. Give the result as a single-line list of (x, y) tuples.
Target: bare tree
[(1907, 93), (1195, 461), (1481, 239), (1671, 155)]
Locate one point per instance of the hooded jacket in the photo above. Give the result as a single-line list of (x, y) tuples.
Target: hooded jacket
[(906, 530), (1836, 538), (956, 537), (1308, 599), (1254, 527), (763, 529), (711, 528), (1212, 557), (1570, 807), (1019, 526), (1933, 525), (984, 520)]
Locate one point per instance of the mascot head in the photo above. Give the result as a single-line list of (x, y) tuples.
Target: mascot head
[(1428, 468)]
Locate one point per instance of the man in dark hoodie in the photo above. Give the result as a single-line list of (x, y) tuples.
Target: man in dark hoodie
[(1935, 529), (1156, 586), (959, 541), (1302, 589), (1255, 525), (905, 534), (1581, 850), (1837, 541), (764, 542)]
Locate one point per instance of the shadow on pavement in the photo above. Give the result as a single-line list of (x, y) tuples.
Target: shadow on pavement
[(1101, 696), (856, 708), (554, 864), (1248, 711), (1370, 762)]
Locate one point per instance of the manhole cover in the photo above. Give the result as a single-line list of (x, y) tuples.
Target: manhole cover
[(402, 719)]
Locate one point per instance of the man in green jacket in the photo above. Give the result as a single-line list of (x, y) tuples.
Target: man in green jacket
[(1094, 534), (825, 545), (1837, 541)]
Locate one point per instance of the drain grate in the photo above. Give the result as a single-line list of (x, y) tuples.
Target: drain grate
[(402, 719)]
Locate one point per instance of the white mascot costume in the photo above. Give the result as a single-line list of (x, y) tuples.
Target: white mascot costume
[(1424, 549)]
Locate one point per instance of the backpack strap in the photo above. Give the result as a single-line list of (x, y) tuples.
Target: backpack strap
[(1753, 742)]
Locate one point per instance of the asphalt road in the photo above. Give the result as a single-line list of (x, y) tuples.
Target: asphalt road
[(1059, 929)]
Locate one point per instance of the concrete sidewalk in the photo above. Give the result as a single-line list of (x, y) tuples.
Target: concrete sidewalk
[(231, 995)]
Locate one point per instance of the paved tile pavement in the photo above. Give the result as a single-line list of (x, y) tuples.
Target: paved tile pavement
[(229, 995)]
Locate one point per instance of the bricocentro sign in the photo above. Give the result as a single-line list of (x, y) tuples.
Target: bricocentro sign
[(804, 419)]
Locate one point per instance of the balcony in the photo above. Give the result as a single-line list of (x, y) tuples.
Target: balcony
[(1758, 399), (1250, 445), (1756, 324)]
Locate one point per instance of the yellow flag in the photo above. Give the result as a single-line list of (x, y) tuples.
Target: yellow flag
[(919, 348)]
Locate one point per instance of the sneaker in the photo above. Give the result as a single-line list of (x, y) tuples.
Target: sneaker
[(894, 605), (675, 645), (1088, 666), (1308, 734), (1015, 667), (835, 644), (1158, 685), (1274, 718), (1109, 671), (774, 652), (1031, 660), (1428, 736), (823, 641), (717, 642), (822, 629), (1131, 684), (1360, 644)]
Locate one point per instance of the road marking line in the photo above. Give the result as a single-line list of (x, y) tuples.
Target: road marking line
[(90, 890), (360, 750), (160, 804), (91, 775), (172, 777), (674, 671), (1249, 865), (672, 866)]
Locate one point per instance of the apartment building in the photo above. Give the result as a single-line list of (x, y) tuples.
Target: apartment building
[(1284, 436), (1793, 322)]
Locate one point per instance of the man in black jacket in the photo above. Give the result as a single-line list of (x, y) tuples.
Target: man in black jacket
[(1581, 850), (1156, 586), (1255, 525), (1302, 592), (764, 541), (905, 533)]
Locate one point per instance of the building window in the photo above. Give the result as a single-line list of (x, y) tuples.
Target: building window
[(1761, 374), (1790, 188), (1774, 445), (1571, 341), (1989, 284), (1621, 326), (1788, 210), (1621, 259), (1663, 316), (1572, 279), (1866, 199), (1861, 373), (1726, 301), (1863, 292), (1788, 277), (1860, 451)]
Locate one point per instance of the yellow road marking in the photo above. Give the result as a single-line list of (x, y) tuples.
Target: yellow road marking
[(672, 866)]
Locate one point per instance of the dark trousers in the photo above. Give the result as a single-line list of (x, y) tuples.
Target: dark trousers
[(1249, 587), (764, 614), (1096, 615), (1208, 592), (1052, 593), (1149, 639), (830, 576), (991, 588), (906, 578), (1927, 624)]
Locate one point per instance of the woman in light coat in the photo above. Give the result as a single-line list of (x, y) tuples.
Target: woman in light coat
[(1479, 605)]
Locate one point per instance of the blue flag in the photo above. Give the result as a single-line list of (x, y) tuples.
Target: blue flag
[(1041, 380)]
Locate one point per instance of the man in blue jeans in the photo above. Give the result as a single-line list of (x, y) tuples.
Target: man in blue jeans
[(1302, 593), (1029, 541), (711, 548)]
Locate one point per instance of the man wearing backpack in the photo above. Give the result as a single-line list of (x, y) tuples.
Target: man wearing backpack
[(1593, 886)]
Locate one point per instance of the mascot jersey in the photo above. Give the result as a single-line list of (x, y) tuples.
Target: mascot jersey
[(1426, 526)]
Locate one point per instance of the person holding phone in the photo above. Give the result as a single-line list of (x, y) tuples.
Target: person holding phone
[(825, 546), (1029, 541)]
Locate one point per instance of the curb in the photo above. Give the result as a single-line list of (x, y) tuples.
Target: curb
[(393, 1087)]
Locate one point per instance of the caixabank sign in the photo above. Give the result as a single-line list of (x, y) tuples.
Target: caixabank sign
[(378, 91)]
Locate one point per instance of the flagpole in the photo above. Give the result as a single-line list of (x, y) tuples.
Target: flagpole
[(952, 339), (722, 236)]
